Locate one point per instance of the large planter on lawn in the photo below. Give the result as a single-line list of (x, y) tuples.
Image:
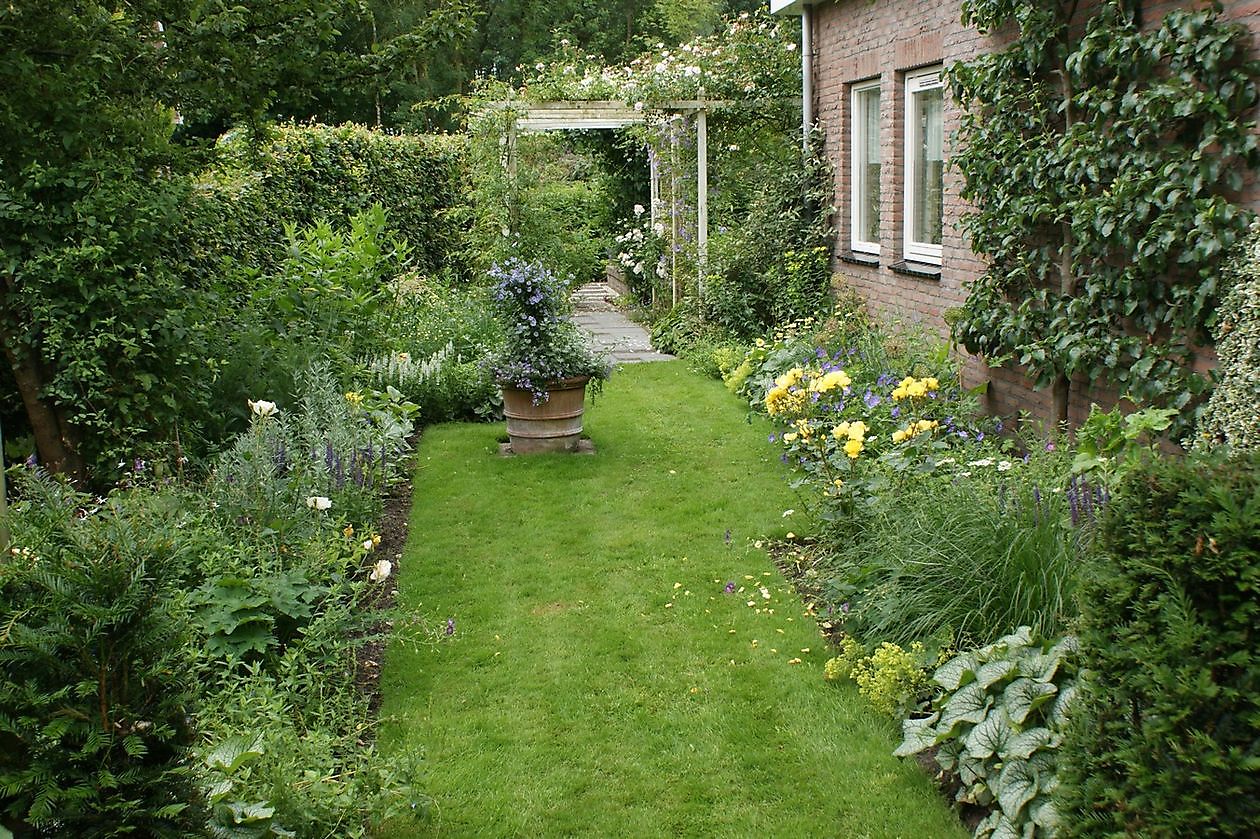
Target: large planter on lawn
[(554, 425)]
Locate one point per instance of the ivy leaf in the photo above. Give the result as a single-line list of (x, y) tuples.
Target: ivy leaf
[(990, 736), (969, 704), (1015, 787), (917, 735), (1023, 696)]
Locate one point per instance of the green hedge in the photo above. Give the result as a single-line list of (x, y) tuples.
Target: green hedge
[(1167, 740), (302, 174), (1231, 416)]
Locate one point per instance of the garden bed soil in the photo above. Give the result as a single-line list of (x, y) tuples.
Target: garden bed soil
[(392, 527)]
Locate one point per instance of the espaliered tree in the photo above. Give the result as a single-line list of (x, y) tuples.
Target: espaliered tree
[(1100, 157)]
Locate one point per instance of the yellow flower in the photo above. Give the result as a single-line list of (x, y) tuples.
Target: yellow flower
[(830, 381), (932, 383), (348, 531), (841, 431), (804, 428), (790, 437), (857, 431), (853, 448), (900, 435), (790, 378), (354, 397)]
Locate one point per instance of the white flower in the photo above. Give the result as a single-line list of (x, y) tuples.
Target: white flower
[(787, 513), (638, 210), (1004, 465), (659, 228), (263, 408), (638, 268), (381, 570), (765, 593), (984, 462), (318, 502), (368, 544), (790, 46), (564, 42)]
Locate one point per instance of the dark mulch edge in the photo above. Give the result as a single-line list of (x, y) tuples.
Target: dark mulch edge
[(395, 519), (794, 558)]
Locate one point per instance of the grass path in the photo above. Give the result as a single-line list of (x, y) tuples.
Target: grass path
[(599, 682)]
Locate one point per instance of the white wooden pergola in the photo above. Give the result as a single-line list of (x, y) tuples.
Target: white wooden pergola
[(606, 114)]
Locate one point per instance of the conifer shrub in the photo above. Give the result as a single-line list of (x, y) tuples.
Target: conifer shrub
[(1166, 739)]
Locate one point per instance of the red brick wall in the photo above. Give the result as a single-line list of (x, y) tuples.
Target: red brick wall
[(859, 40)]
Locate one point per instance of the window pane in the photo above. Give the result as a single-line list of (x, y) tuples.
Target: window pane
[(929, 166), (869, 156)]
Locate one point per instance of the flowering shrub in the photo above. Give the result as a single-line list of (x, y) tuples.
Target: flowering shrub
[(754, 55), (543, 343), (892, 679)]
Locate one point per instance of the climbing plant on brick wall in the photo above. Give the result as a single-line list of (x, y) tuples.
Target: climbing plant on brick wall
[(1099, 156)]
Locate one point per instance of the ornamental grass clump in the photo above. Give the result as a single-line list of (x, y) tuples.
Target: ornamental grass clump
[(543, 344)]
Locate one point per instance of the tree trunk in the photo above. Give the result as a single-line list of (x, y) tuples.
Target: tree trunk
[(1062, 388), (55, 437)]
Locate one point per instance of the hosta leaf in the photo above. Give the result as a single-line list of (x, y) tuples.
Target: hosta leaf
[(969, 704), (1044, 814), (995, 671), (233, 753), (1023, 696), (947, 754), (1022, 745), (950, 675), (1062, 705), (990, 736), (1015, 787), (917, 735), (1018, 639)]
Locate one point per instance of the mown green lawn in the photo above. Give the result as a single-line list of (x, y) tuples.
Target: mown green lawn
[(599, 681)]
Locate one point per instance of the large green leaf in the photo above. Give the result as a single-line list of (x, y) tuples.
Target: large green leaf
[(990, 736), (1015, 787), (1023, 696), (969, 704), (956, 672), (917, 735), (1023, 745), (995, 671), (233, 753), (1062, 705)]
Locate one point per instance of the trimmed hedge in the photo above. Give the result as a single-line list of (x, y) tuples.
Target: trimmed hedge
[(1166, 742), (1231, 416), (302, 174)]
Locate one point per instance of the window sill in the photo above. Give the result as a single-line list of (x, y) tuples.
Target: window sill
[(870, 260), (916, 269)]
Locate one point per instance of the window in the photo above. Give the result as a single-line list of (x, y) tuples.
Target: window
[(925, 166), (865, 175)]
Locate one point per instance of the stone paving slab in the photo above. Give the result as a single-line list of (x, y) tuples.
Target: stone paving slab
[(609, 329)]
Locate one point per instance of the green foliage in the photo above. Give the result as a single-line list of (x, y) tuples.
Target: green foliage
[(1164, 742), (997, 726), (892, 679), (448, 388), (1230, 416), (1110, 443), (96, 692), (1004, 552), (304, 175), (1097, 153)]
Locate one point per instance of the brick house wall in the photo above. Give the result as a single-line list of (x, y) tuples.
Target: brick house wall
[(859, 41)]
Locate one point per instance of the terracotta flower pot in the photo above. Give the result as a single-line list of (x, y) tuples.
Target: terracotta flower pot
[(551, 426)]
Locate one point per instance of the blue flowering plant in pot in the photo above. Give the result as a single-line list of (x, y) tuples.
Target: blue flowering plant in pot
[(546, 363)]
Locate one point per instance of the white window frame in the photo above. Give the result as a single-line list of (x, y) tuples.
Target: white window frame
[(856, 165), (916, 83)]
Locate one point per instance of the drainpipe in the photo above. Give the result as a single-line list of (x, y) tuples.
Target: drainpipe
[(807, 75)]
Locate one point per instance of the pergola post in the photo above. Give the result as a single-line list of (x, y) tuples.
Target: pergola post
[(673, 211), (702, 195)]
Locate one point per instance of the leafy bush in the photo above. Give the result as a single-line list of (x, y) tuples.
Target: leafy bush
[(997, 726), (892, 679), (96, 691), (1165, 741), (304, 175), (1230, 416)]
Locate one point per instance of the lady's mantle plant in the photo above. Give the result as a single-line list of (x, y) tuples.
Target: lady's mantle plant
[(544, 345)]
